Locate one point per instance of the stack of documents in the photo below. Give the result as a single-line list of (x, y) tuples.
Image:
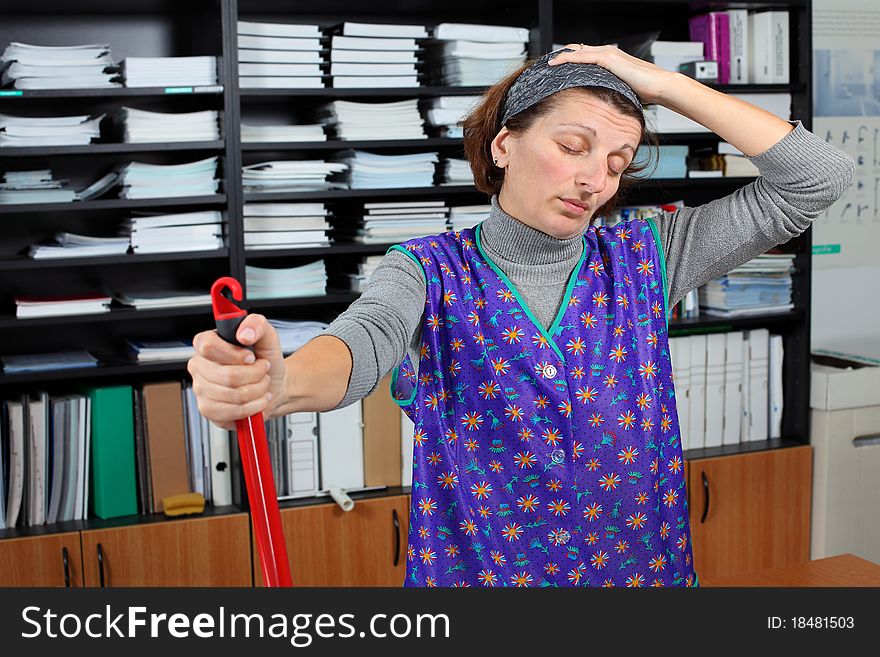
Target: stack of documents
[(762, 285), (262, 134), (375, 55), (26, 307), (168, 233), (670, 55), (60, 360), (285, 225), (160, 351), (49, 131), (140, 180), (663, 119), (153, 300), (389, 223), (467, 216), (294, 334), (34, 187), (140, 126), (385, 121), (372, 171), (366, 267), (58, 67), (447, 112), (457, 172), (198, 71), (279, 56), (71, 245), (306, 281), (291, 176), (476, 55)]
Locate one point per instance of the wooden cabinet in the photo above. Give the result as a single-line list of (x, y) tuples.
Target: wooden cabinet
[(327, 546), (750, 511), (213, 551), (54, 560)]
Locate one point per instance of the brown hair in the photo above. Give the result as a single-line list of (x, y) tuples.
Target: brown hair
[(481, 126)]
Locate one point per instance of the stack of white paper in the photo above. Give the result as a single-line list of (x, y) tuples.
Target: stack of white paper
[(663, 119), (467, 216), (71, 245), (48, 131), (389, 223), (140, 180), (372, 171), (447, 112), (261, 134), (160, 351), (279, 56), (457, 172), (385, 121), (34, 187), (167, 233), (670, 55), (762, 285), (294, 334), (140, 126), (53, 307), (366, 267), (285, 225), (291, 176), (170, 71), (58, 67), (152, 300), (60, 360), (477, 55), (375, 55), (305, 281)]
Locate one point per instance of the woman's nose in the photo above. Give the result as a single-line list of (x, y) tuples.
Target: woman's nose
[(591, 176)]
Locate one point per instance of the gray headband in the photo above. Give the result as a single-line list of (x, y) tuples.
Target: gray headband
[(541, 80)]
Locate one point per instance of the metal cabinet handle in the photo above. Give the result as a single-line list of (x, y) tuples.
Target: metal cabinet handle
[(101, 565), (706, 497), (65, 559), (396, 521)]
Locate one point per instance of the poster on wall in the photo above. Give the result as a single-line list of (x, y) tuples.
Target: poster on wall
[(846, 112)]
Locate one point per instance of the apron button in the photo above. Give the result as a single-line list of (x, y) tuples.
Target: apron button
[(558, 456), (549, 372)]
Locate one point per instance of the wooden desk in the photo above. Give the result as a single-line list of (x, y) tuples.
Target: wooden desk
[(841, 570)]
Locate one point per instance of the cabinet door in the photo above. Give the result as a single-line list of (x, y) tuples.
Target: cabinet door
[(198, 552), (750, 511), (327, 546), (54, 560)]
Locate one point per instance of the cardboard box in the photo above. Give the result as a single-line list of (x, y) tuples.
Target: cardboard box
[(839, 381)]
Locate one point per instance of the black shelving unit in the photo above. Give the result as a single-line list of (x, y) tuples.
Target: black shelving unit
[(161, 28)]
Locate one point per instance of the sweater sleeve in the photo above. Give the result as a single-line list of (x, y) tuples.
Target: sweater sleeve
[(801, 176), (382, 324)]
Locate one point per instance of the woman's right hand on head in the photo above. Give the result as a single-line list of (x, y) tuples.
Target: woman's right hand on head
[(232, 383)]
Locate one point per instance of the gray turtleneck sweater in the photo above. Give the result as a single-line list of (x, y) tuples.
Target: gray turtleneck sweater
[(801, 176)]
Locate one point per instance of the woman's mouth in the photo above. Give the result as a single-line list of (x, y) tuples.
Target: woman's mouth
[(574, 206)]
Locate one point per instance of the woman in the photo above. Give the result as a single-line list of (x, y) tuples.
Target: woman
[(535, 361)]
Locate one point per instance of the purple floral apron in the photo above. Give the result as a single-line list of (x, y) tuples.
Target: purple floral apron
[(545, 457)]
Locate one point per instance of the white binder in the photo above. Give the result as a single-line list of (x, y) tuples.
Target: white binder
[(302, 453), (221, 477), (745, 385), (16, 461), (36, 477), (406, 449), (341, 441), (697, 426), (716, 347), (759, 353), (775, 386), (680, 353), (733, 388)]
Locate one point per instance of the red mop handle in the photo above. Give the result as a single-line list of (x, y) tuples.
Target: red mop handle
[(254, 450)]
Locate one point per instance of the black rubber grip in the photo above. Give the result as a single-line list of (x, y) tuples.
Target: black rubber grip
[(227, 328)]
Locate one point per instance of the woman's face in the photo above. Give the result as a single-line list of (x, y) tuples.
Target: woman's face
[(566, 165)]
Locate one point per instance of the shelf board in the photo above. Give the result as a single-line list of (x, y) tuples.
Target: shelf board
[(113, 204), (333, 249), (114, 315), (332, 194), (100, 149), (115, 92), (332, 297), (30, 263), (759, 88), (709, 324), (105, 370), (344, 93), (741, 448), (338, 144)]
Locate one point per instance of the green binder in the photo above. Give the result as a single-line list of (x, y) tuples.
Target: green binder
[(113, 487)]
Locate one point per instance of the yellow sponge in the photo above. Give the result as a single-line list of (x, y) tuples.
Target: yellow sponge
[(183, 504)]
